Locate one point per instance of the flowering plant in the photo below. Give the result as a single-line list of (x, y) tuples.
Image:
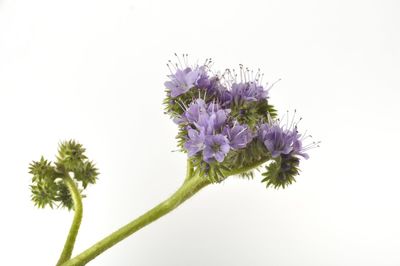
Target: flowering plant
[(227, 127)]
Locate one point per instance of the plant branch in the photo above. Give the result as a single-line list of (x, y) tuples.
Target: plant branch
[(191, 186), (76, 222), (188, 188), (246, 168)]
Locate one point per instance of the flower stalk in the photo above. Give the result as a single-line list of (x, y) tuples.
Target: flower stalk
[(76, 222), (190, 187)]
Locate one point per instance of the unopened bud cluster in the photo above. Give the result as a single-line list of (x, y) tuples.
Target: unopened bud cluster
[(48, 186)]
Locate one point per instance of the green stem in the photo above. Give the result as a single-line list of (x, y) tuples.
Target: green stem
[(191, 186), (76, 222), (247, 168), (189, 169), (188, 188)]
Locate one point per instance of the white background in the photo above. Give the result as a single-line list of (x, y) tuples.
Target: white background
[(94, 71)]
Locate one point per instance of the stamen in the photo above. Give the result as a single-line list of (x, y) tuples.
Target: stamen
[(261, 79), (247, 75), (298, 122), (170, 70), (241, 72), (272, 85), (180, 105), (179, 60), (243, 130), (292, 123), (173, 65), (185, 59), (183, 104)]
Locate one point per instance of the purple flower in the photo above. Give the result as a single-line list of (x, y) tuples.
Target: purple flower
[(298, 148), (195, 143), (206, 117), (209, 131), (277, 140), (194, 110), (213, 120), (182, 81), (214, 87), (217, 147), (205, 122), (284, 141), (239, 136), (248, 91), (258, 91), (225, 97), (203, 81)]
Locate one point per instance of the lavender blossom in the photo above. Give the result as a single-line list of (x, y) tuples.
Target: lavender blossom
[(217, 147), (182, 81), (225, 97), (277, 140), (283, 141), (239, 136), (213, 120), (207, 117), (248, 91), (183, 77), (297, 145), (192, 113), (259, 92), (205, 123), (204, 80), (195, 143)]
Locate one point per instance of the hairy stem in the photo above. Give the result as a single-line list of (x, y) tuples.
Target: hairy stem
[(76, 222), (247, 168), (192, 184), (189, 169), (188, 188)]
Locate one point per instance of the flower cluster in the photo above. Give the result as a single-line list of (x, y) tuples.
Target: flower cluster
[(226, 122), (210, 133)]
